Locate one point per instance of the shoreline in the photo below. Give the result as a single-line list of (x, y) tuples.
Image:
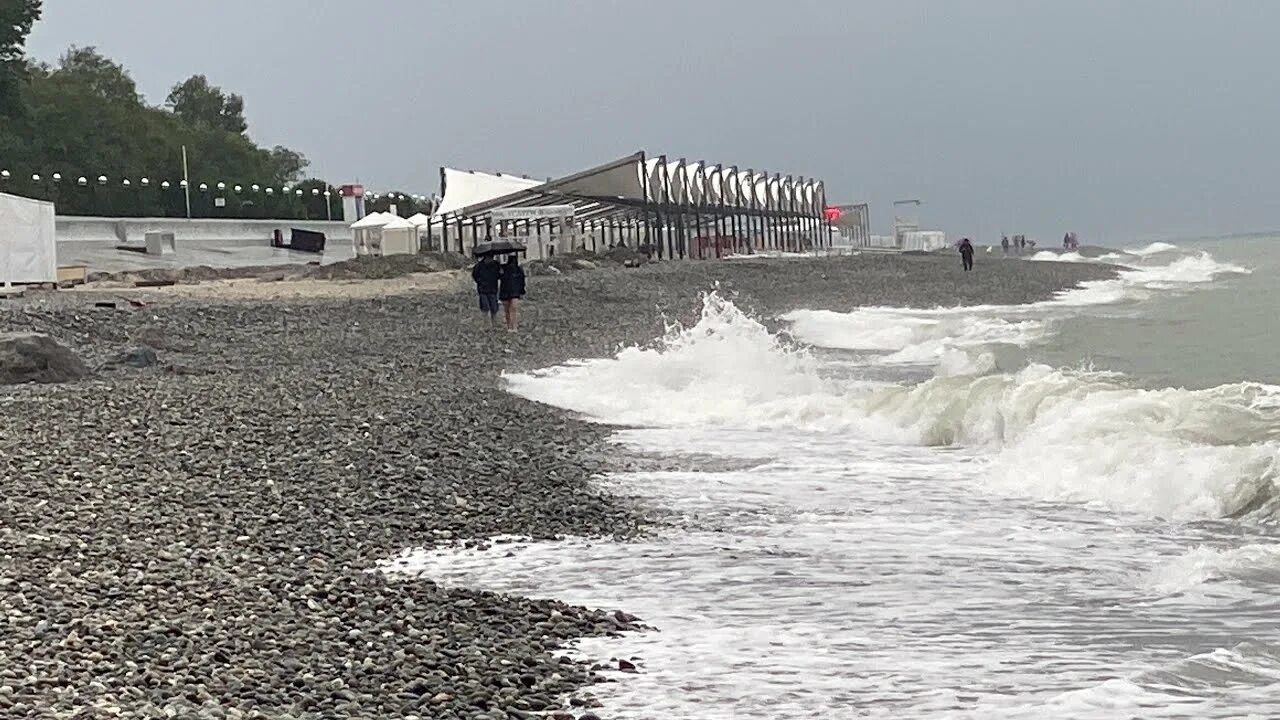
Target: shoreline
[(212, 521)]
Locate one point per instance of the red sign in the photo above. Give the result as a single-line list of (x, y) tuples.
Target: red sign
[(833, 214), (351, 191)]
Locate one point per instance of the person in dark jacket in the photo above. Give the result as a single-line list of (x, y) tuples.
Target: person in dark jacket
[(966, 254), (511, 290), (485, 274)]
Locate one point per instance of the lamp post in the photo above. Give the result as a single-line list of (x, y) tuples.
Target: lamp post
[(127, 206), (328, 206), (102, 182)]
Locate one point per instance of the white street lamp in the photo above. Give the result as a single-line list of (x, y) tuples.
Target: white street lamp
[(126, 182), (146, 182), (4, 174), (237, 188), (35, 177), (82, 181), (255, 187), (204, 187), (165, 185), (182, 183), (222, 186), (57, 177), (102, 179), (271, 191)]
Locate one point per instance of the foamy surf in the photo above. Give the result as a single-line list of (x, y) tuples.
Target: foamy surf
[(955, 338), (1050, 434), (977, 545)]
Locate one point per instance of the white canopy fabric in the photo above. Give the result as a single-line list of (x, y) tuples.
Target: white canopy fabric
[(28, 247), (419, 219), (372, 220), (399, 237), (464, 188), (397, 223), (620, 186)]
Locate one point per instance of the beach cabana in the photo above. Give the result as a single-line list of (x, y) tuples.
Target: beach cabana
[(367, 232), (422, 222), (399, 237)]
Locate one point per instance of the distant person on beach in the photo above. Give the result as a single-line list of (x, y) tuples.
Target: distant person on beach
[(1066, 241), (486, 274), (966, 254), (511, 290), (1004, 244)]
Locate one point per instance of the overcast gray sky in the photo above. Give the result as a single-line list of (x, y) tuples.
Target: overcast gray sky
[(1118, 119)]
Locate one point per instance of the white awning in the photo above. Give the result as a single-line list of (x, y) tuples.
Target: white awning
[(464, 188)]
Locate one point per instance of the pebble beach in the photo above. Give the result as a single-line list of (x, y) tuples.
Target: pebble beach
[(199, 537)]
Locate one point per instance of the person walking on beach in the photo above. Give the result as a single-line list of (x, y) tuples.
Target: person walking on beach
[(485, 274), (511, 290), (1004, 244), (966, 254)]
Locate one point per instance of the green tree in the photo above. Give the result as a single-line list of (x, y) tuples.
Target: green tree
[(84, 119), (200, 104), (16, 19), (406, 204), (99, 74), (290, 164)]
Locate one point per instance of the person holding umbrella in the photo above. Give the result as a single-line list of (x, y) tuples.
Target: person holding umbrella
[(485, 274), (511, 290)]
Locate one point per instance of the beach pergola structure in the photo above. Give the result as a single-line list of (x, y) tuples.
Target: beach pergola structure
[(667, 208)]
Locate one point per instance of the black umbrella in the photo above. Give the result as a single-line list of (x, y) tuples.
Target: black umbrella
[(497, 247)]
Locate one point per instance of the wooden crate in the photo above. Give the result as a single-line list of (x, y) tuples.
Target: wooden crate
[(74, 274)]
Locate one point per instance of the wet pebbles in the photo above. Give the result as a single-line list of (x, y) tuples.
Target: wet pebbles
[(189, 531)]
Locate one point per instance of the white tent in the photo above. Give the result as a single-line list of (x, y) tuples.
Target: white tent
[(399, 237), (28, 248), (422, 227), (366, 233)]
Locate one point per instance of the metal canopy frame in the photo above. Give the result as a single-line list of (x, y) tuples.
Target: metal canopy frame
[(677, 209)]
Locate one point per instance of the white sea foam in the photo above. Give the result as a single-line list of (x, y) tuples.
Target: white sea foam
[(955, 337), (1154, 248), (1051, 434), (892, 553), (1254, 564)]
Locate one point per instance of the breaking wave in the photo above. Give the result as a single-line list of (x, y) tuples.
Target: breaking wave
[(1051, 434), (956, 338)]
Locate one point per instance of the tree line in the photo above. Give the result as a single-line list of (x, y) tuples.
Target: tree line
[(79, 133)]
